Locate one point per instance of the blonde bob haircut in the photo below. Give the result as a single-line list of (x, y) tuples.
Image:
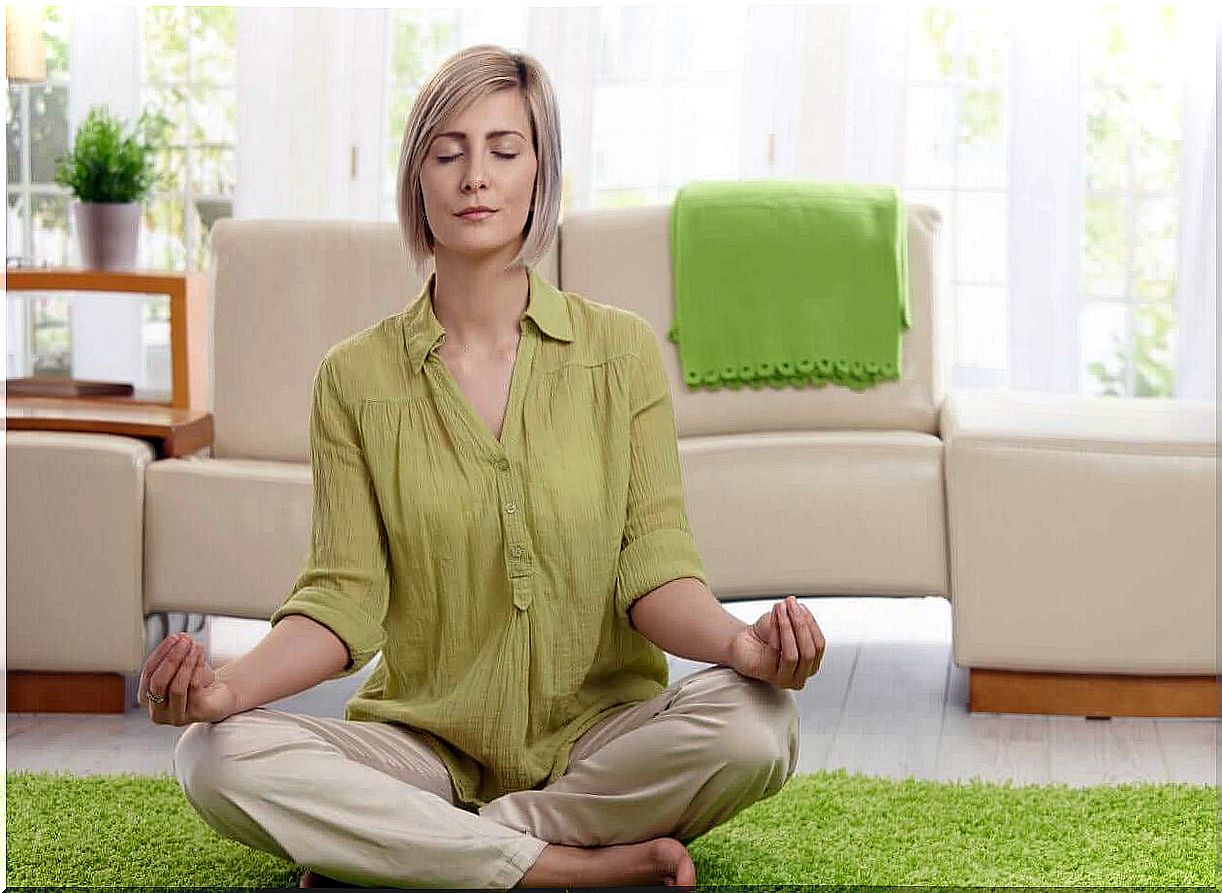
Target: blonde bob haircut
[(460, 81)]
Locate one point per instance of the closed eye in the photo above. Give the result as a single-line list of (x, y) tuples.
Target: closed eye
[(444, 158)]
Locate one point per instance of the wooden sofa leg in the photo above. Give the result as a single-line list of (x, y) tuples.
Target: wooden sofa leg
[(1092, 695), (41, 692)]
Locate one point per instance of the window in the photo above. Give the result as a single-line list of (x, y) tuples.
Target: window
[(187, 73), (1134, 103), (665, 90), (188, 68), (187, 65), (36, 327), (667, 96), (419, 40), (957, 159), (37, 135)]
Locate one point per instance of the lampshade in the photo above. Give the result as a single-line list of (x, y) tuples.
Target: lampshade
[(25, 60)]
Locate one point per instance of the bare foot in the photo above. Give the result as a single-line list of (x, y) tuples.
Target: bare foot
[(662, 860), (311, 878), (676, 862)]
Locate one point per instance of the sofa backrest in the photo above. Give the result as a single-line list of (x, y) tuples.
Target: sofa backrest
[(284, 292), (622, 257)]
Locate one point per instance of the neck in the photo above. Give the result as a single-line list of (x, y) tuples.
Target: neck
[(478, 302)]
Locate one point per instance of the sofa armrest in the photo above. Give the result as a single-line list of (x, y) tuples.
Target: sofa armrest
[(76, 551), (1036, 419)]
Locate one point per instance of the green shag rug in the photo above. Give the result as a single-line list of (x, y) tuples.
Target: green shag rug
[(826, 828)]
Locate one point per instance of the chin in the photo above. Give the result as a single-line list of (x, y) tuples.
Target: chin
[(475, 252), (483, 243)]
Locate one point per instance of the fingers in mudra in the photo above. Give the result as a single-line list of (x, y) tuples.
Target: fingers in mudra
[(800, 643)]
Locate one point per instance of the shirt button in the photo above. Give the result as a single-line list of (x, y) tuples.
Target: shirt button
[(517, 551), (502, 463), (511, 507)]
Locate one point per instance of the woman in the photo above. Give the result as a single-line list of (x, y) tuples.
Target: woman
[(498, 511)]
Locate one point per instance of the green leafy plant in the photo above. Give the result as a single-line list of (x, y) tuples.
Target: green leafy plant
[(108, 165)]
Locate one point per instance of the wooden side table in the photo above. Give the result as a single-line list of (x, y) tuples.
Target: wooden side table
[(175, 424), (171, 432), (188, 320)]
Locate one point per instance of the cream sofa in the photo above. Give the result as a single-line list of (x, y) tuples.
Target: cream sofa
[(1075, 538)]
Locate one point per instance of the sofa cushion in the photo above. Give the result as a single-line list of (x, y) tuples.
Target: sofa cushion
[(818, 513), (224, 536)]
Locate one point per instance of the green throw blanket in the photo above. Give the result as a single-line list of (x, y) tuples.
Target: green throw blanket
[(789, 282)]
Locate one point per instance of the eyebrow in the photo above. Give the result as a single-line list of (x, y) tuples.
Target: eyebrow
[(458, 134)]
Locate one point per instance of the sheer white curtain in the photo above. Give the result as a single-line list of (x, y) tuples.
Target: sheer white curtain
[(565, 41), (104, 61), (310, 84), (312, 96), (1197, 296), (1044, 187)]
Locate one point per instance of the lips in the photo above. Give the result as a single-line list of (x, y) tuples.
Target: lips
[(477, 212)]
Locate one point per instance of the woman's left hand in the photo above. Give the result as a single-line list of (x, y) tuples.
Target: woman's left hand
[(784, 647)]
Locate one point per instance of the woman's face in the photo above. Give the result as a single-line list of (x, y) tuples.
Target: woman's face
[(483, 156)]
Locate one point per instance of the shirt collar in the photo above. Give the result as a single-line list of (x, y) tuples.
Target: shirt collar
[(545, 306)]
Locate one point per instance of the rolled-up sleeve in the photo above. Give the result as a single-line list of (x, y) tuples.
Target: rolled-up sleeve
[(344, 582), (657, 545)]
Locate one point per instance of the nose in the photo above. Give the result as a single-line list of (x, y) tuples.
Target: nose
[(473, 179)]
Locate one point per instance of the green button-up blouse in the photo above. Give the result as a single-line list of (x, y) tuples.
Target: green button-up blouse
[(495, 576)]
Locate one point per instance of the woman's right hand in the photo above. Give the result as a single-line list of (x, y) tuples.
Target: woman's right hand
[(193, 691)]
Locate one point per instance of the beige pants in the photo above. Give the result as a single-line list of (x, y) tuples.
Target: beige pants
[(369, 803)]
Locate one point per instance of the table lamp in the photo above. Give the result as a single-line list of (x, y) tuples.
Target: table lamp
[(25, 59)]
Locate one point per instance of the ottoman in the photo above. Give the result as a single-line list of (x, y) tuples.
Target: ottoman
[(1082, 534)]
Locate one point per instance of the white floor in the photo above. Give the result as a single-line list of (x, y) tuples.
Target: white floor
[(888, 700)]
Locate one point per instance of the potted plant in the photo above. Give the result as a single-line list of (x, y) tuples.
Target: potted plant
[(110, 173)]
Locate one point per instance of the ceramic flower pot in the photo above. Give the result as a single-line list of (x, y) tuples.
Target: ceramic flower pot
[(108, 234)]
